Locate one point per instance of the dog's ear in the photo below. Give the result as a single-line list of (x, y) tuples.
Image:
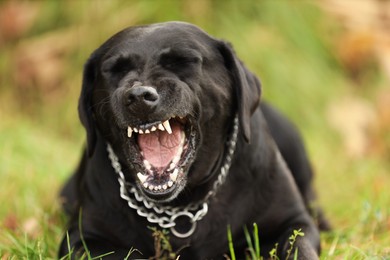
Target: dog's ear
[(247, 87), (85, 103)]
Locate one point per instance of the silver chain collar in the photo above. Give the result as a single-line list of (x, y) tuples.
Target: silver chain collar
[(165, 216)]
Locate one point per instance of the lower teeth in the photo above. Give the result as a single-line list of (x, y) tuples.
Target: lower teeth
[(146, 184), (160, 187)]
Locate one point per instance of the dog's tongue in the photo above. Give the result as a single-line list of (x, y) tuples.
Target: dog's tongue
[(159, 147)]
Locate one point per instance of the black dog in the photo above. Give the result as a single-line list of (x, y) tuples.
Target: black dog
[(177, 139)]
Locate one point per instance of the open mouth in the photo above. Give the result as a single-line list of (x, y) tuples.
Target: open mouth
[(164, 150)]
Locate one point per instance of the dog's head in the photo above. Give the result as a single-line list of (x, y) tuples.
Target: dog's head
[(164, 96)]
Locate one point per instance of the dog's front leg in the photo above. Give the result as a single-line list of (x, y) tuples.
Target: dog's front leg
[(302, 241)]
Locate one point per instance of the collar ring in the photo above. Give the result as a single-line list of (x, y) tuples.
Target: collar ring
[(190, 220)]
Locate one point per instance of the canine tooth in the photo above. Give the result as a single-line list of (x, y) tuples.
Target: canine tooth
[(179, 151), (183, 139), (140, 131), (147, 164), (167, 126), (135, 130), (147, 132), (165, 187), (173, 175), (172, 166), (142, 177), (160, 126), (129, 131), (176, 159), (153, 129), (170, 183)]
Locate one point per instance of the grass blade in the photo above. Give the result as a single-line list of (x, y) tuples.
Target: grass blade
[(231, 247), (249, 242), (82, 236), (256, 240)]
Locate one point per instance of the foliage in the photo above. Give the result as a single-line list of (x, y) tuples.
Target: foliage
[(253, 249), (162, 246), (253, 246), (292, 239)]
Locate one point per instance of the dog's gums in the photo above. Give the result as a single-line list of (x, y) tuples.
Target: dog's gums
[(164, 149)]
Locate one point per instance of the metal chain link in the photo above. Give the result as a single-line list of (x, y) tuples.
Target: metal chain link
[(165, 216)]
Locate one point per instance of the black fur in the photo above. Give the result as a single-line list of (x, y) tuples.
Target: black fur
[(202, 79)]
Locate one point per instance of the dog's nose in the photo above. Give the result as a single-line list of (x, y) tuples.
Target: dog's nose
[(142, 98)]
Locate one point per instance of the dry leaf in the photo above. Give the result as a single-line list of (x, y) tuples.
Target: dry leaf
[(39, 65), (31, 227), (16, 17), (357, 52), (367, 32), (352, 118), (10, 222), (380, 129)]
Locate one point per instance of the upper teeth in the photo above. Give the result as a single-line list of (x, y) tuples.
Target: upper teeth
[(160, 126), (165, 126)]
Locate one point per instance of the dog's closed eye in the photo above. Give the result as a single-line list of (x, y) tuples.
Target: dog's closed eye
[(119, 66), (179, 59)]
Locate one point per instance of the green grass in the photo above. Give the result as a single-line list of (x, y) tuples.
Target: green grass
[(291, 45)]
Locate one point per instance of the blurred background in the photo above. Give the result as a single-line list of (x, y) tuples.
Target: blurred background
[(325, 64)]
